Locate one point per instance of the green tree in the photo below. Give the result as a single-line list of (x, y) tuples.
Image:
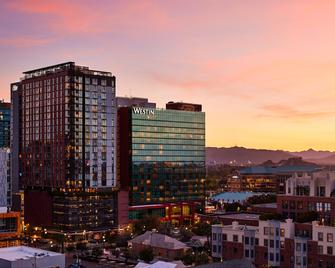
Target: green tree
[(186, 234), (188, 258), (146, 224), (146, 254), (202, 229), (234, 207), (201, 258), (307, 216), (270, 216), (97, 251), (81, 246)]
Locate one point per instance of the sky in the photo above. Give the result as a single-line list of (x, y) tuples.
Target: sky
[(264, 71)]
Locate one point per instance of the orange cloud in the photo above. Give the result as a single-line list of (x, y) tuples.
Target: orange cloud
[(288, 112)]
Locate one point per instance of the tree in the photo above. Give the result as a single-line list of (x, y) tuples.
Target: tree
[(307, 216), (270, 216), (186, 234), (122, 240), (202, 229), (146, 254), (81, 246), (145, 224), (262, 199), (164, 228), (234, 207), (188, 258), (97, 251), (201, 258)]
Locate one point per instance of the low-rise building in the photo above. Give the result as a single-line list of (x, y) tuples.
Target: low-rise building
[(272, 178), (277, 244), (307, 192), (10, 228), (162, 245), (23, 257)]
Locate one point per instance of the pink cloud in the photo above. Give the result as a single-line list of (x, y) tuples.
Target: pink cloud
[(22, 42), (66, 17)]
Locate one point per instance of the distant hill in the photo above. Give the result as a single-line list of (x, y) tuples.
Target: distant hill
[(329, 160), (312, 154), (242, 156), (245, 156)]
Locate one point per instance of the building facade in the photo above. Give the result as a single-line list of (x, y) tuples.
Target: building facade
[(10, 228), (309, 192), (276, 244), (5, 182), (63, 146), (4, 124), (161, 162), (271, 178)]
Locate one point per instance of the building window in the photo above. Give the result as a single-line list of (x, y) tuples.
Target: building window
[(272, 244), (214, 248), (246, 240), (214, 236), (330, 250), (298, 247), (320, 236), (235, 238), (224, 237), (266, 230), (246, 253), (320, 249), (327, 206), (329, 237), (271, 256), (256, 241), (265, 242), (298, 260)]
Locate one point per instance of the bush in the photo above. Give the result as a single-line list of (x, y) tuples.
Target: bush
[(202, 229), (97, 252), (146, 254), (188, 258), (201, 258)]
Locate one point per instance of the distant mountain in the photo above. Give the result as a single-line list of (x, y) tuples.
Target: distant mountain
[(329, 160), (246, 156), (312, 154), (243, 156)]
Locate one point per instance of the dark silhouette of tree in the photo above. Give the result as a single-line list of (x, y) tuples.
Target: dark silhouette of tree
[(146, 254)]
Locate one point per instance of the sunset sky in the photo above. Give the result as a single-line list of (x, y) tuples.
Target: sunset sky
[(263, 70)]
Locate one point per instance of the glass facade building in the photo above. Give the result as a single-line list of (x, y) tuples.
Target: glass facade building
[(4, 124), (66, 119), (166, 159)]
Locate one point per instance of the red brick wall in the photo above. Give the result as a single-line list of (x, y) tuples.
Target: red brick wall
[(232, 250)]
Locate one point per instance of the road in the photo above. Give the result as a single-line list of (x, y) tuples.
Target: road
[(69, 259)]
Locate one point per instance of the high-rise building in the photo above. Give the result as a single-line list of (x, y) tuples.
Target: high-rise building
[(161, 161), (4, 124), (134, 101), (63, 146), (5, 182)]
